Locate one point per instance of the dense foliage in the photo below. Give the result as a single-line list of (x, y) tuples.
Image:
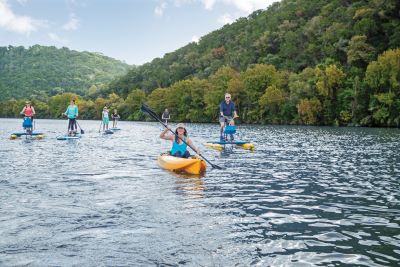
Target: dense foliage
[(328, 62), (39, 71), (291, 35)]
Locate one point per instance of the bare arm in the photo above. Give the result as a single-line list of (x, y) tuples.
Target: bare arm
[(164, 135), (190, 143), (33, 111), (23, 110)]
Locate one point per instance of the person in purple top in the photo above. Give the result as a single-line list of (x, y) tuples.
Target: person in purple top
[(227, 114)]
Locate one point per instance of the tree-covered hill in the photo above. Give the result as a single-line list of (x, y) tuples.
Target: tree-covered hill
[(291, 35), (39, 71), (307, 62)]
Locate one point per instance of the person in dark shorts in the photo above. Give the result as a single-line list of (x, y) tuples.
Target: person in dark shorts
[(227, 114), (115, 117), (72, 114), (166, 116)]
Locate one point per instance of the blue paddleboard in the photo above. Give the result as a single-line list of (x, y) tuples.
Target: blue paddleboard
[(66, 137), (108, 132)]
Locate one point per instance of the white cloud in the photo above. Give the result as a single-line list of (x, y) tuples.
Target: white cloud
[(209, 4), (225, 19), (72, 24), (246, 6), (54, 37), (249, 6), (179, 3), (195, 39), (159, 10), (15, 23)]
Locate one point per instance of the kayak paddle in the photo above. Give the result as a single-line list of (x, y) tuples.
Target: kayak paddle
[(146, 109)]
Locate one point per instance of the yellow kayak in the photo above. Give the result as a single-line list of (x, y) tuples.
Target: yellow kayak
[(190, 165)]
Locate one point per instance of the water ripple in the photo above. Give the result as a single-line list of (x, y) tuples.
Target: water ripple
[(307, 196)]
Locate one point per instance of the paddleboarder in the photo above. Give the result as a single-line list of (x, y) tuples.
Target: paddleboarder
[(228, 113), (166, 116), (105, 118), (28, 111), (72, 113), (179, 147), (115, 117)]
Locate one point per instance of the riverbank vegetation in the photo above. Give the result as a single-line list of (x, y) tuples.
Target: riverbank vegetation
[(298, 62)]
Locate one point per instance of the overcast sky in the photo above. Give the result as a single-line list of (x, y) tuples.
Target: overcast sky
[(135, 31)]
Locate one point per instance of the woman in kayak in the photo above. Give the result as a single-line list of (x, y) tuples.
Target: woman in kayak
[(179, 148)]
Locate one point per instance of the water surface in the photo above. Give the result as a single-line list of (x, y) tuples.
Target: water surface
[(307, 196)]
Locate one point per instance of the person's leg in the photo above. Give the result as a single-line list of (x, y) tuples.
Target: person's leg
[(177, 154), (69, 126), (221, 130), (75, 127)]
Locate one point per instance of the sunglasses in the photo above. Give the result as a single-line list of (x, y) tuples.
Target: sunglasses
[(227, 97)]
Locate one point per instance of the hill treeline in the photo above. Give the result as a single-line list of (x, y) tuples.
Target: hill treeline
[(291, 35), (39, 71), (309, 62)]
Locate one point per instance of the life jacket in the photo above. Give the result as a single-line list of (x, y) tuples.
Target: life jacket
[(27, 123), (230, 129), (179, 147), (28, 111)]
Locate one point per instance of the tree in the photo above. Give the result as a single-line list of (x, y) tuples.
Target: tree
[(309, 110), (359, 52)]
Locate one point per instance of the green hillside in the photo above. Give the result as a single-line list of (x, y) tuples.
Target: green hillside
[(291, 35), (39, 71), (306, 62)]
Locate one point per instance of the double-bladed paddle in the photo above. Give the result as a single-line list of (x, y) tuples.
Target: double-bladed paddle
[(147, 110)]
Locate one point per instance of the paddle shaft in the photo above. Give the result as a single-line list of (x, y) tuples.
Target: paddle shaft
[(82, 131)]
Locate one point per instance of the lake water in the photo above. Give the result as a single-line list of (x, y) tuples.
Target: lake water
[(305, 196)]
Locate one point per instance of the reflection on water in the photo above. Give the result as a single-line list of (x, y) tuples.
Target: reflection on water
[(305, 196), (191, 185)]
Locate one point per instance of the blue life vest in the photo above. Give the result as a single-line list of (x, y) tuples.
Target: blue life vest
[(27, 123), (230, 129), (179, 147)]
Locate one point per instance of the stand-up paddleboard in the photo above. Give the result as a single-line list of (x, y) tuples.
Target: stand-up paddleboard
[(107, 132), (67, 137), (35, 135), (219, 145), (115, 129)]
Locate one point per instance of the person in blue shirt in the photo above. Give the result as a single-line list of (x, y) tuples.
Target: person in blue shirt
[(179, 148), (72, 114), (227, 114)]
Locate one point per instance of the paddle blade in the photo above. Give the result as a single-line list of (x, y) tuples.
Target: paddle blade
[(143, 109), (147, 110), (82, 131)]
